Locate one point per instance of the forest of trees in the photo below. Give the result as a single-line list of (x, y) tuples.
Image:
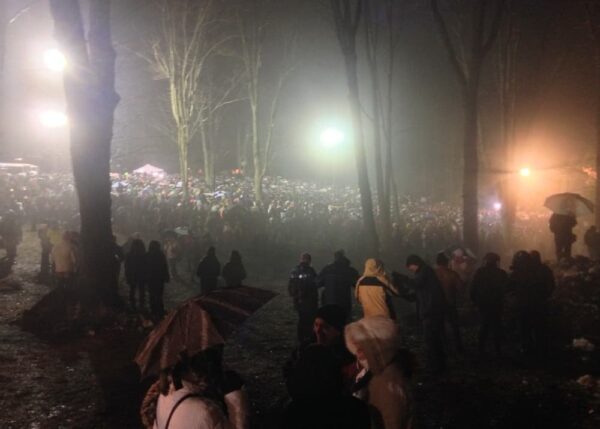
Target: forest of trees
[(221, 68)]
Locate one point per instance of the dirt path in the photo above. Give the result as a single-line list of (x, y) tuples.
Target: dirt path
[(92, 382)]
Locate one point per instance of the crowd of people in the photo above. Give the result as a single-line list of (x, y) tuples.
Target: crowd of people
[(343, 373)]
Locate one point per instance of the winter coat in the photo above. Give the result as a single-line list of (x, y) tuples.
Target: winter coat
[(387, 391), (562, 225), (431, 302), (337, 280), (450, 282), (488, 288), (532, 286), (209, 268), (374, 297), (234, 273), (157, 268), (195, 412), (135, 268), (64, 257), (302, 287)]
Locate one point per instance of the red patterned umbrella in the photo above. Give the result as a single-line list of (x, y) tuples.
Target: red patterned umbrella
[(197, 325)]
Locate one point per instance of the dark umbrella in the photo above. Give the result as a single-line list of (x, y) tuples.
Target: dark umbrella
[(198, 324), (569, 203)]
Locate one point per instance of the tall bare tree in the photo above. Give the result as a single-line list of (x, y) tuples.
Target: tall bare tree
[(381, 42), (217, 91), (347, 16), (89, 85), (592, 9), (255, 20), (468, 40), (180, 53)]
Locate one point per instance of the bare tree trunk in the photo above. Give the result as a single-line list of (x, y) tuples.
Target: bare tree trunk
[(468, 72), (471, 169), (183, 142), (372, 42), (592, 10), (91, 101), (347, 18), (3, 29)]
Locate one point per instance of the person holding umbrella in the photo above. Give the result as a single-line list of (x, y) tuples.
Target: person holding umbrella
[(566, 207)]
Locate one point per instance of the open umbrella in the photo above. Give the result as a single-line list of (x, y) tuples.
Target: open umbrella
[(569, 203), (198, 324), (458, 250)]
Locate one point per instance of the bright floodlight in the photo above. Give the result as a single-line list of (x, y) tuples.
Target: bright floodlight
[(55, 60), (497, 206), (525, 172), (331, 137), (53, 119)]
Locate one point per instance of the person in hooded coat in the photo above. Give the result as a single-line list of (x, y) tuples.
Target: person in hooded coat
[(337, 280), (157, 274), (373, 290), (208, 271), (488, 289), (233, 271), (375, 341)]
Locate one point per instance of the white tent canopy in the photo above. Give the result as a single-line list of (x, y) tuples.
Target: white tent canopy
[(150, 170)]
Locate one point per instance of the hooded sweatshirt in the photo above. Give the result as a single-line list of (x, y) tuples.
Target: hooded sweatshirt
[(378, 339)]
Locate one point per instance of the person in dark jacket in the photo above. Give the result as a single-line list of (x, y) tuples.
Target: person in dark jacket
[(157, 274), (452, 285), (592, 241), (531, 286), (302, 287), (316, 389), (135, 273), (337, 280), (328, 331), (208, 271), (561, 225), (118, 258), (233, 271), (430, 309), (488, 288)]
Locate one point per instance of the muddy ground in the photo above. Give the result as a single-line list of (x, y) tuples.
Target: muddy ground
[(91, 382)]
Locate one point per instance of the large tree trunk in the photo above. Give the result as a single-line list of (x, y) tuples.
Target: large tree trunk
[(91, 101), (361, 157), (471, 170), (183, 139), (3, 29), (598, 133), (371, 48)]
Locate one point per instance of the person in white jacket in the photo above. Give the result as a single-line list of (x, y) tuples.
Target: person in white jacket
[(197, 394)]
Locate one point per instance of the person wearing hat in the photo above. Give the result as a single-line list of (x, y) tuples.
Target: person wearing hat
[(487, 292), (302, 287), (431, 305)]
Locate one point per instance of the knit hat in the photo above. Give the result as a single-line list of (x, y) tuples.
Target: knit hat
[(333, 315)]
